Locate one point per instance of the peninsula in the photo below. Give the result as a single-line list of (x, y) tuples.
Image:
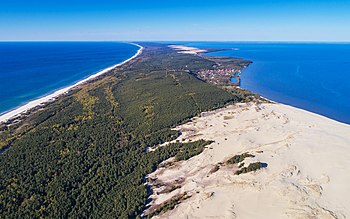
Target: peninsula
[(165, 135), (84, 154)]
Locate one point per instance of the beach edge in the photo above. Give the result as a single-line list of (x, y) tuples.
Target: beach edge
[(53, 96)]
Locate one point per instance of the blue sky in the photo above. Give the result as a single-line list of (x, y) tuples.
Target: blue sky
[(189, 20)]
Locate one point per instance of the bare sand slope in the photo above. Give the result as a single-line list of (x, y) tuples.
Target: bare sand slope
[(187, 49), (308, 172)]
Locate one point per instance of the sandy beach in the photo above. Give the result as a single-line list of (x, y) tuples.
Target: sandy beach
[(187, 50), (307, 173), (22, 109)]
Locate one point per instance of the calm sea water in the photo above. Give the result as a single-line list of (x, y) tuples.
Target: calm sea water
[(311, 76), (29, 70)]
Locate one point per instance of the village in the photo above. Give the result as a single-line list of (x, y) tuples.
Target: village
[(222, 76)]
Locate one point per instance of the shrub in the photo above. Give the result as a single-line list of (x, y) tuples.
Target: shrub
[(238, 158), (252, 167)]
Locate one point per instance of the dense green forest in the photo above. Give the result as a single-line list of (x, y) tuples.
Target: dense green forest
[(84, 155)]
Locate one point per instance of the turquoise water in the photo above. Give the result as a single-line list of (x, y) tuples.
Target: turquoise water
[(29, 70), (311, 76)]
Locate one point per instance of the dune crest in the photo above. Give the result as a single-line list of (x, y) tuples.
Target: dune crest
[(306, 172)]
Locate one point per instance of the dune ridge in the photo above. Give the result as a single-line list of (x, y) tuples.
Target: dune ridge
[(307, 173)]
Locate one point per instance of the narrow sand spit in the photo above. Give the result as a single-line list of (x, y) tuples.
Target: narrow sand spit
[(307, 173), (187, 49), (22, 109)]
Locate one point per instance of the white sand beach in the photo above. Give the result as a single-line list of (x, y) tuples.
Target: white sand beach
[(307, 173), (22, 109), (187, 49)]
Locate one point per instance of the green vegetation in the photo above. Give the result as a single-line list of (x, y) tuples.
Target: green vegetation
[(252, 167), (239, 158), (168, 205), (236, 63), (84, 155), (241, 165), (190, 149), (244, 95)]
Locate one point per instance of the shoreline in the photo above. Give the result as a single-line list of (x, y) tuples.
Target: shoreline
[(182, 49), (245, 157), (304, 159), (51, 97), (305, 154)]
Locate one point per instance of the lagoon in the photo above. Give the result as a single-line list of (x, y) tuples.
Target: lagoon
[(311, 76)]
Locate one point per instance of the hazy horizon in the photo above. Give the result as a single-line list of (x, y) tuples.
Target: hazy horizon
[(107, 20), (175, 41)]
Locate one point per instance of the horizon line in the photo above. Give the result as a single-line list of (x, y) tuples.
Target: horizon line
[(165, 41)]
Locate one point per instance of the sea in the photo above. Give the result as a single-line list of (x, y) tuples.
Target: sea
[(30, 70), (310, 76)]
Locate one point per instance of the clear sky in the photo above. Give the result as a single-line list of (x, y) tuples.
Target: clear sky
[(165, 20)]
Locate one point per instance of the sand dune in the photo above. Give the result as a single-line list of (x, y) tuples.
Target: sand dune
[(307, 176), (187, 49)]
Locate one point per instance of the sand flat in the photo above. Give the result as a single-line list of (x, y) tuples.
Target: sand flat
[(307, 176), (187, 50)]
